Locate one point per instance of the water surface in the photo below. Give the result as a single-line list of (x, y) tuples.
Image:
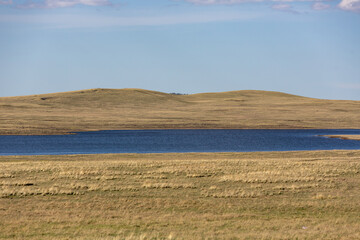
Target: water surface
[(163, 141)]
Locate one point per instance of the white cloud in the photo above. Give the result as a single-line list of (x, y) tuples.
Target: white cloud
[(228, 2), (353, 86), (63, 3), (283, 7), (320, 6), (5, 2), (69, 3), (350, 5), (95, 21), (213, 2)]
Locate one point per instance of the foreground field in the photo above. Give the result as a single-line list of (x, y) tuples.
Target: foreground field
[(112, 109), (279, 195)]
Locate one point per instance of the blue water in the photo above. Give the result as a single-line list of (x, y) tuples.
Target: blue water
[(161, 141)]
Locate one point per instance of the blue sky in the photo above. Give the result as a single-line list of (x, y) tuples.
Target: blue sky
[(306, 47)]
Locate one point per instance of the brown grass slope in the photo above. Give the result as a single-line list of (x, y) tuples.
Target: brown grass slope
[(101, 109)]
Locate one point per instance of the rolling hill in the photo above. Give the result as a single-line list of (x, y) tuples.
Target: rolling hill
[(110, 109)]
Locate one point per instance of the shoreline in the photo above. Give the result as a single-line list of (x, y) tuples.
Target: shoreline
[(74, 132), (172, 154), (67, 132), (344, 137), (175, 155)]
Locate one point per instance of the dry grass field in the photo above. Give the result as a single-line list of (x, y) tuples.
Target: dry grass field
[(270, 195), (111, 109)]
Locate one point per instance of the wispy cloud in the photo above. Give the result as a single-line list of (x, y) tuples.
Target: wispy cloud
[(281, 7), (228, 2), (285, 8), (93, 21), (63, 3), (320, 6), (354, 86), (278, 5), (350, 5), (212, 2), (347, 5), (5, 2)]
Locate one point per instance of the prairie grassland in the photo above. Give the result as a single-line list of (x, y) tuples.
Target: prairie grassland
[(111, 109), (270, 195)]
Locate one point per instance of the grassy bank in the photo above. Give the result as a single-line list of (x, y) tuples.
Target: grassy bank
[(275, 195), (110, 109)]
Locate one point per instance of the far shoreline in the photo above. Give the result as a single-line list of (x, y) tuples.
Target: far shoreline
[(344, 137), (74, 132)]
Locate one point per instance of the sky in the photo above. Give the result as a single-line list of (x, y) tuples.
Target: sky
[(304, 47)]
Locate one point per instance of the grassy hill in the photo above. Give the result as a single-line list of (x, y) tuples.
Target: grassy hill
[(100, 109)]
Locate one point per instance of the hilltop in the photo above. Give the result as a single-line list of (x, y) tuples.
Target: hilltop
[(110, 109)]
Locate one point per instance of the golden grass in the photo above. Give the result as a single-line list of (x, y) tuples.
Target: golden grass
[(349, 137), (270, 195), (110, 109)]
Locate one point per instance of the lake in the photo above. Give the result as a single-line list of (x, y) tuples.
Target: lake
[(163, 141)]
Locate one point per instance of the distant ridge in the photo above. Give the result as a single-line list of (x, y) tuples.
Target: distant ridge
[(144, 91), (106, 109)]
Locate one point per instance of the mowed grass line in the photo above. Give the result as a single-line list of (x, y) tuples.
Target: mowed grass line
[(111, 109), (269, 195)]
